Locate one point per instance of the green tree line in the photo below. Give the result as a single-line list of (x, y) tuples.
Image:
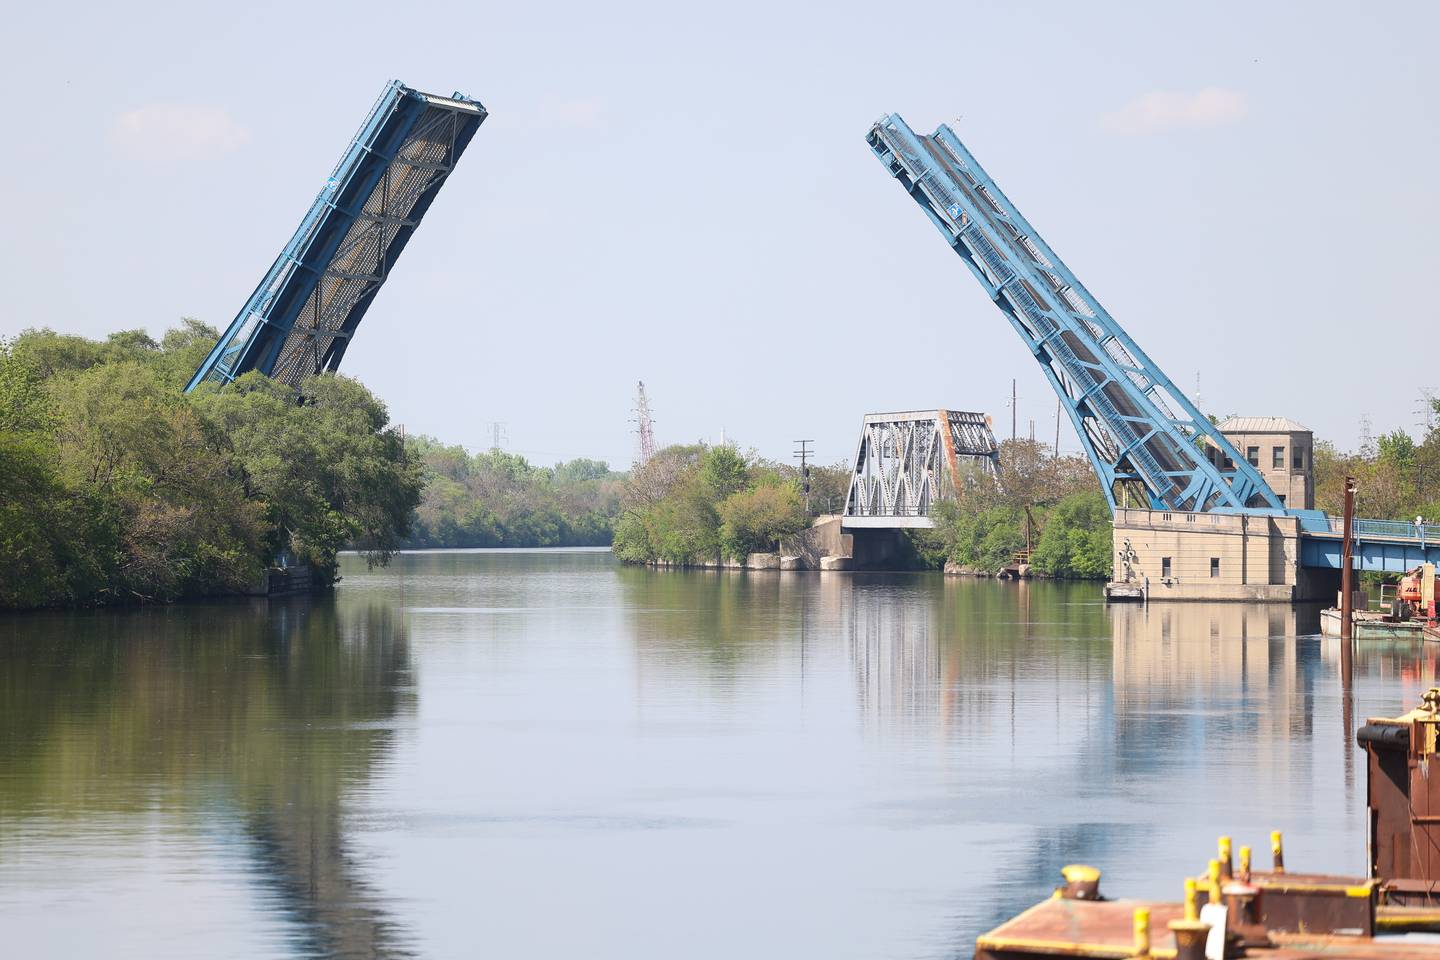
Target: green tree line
[(498, 499), (693, 504), (1397, 477), (117, 487)]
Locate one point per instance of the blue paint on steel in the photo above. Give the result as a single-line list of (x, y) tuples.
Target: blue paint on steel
[(302, 316), (1122, 405), (1385, 555)]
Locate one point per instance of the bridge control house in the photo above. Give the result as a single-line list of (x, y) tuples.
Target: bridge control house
[(1280, 449), (1218, 556)]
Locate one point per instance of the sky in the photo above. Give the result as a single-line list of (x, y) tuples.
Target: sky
[(682, 194)]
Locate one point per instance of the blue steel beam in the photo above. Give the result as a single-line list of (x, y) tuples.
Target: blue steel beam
[(304, 313), (1384, 555), (1137, 428)]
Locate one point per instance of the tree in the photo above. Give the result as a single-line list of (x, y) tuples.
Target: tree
[(330, 470), (723, 471), (1077, 538), (168, 516), (755, 519)]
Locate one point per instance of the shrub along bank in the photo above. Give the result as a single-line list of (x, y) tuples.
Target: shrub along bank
[(697, 504), (986, 524)]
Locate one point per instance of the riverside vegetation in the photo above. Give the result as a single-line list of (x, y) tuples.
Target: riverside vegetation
[(117, 487), (698, 504)]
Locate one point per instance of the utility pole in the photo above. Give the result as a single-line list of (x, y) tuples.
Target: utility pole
[(1032, 431), (804, 456), (497, 434), (1014, 408), (1346, 553), (1056, 451)]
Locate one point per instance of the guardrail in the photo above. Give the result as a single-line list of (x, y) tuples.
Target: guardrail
[(1389, 529)]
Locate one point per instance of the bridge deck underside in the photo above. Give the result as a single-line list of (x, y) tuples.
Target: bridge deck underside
[(300, 320)]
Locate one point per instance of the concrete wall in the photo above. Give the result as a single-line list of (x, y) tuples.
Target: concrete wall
[(824, 538), (1214, 556)]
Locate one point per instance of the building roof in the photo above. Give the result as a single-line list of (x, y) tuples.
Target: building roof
[(1261, 425)]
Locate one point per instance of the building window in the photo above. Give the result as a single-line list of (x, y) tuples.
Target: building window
[(1229, 464), (1277, 458), (1165, 567), (1253, 455), (1281, 498), (1214, 568), (1297, 458)]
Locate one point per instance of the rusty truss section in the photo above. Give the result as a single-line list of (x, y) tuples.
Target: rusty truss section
[(905, 462), (302, 316)]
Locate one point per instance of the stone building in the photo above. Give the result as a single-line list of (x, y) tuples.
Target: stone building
[(1215, 556), (1281, 449)]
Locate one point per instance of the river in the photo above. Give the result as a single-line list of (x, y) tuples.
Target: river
[(545, 754)]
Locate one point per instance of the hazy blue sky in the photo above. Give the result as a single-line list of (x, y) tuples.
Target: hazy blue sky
[(682, 194)]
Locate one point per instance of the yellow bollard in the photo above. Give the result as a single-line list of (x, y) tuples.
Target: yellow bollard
[(1192, 905), (1227, 866), (1142, 932), (1081, 882), (1213, 887), (1244, 864), (1189, 939), (1277, 850)]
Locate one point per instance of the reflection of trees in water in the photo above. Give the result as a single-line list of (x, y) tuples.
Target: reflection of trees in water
[(283, 707), (717, 620)]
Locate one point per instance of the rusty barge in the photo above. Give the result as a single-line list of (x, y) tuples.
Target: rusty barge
[(1232, 910)]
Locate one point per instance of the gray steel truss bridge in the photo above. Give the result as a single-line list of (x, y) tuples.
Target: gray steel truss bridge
[(906, 462)]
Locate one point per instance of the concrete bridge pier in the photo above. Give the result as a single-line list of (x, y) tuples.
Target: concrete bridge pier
[(831, 545)]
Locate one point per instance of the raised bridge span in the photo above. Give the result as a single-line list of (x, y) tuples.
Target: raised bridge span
[(302, 316), (1146, 440)]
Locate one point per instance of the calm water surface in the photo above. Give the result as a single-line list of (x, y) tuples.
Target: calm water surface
[(541, 754)]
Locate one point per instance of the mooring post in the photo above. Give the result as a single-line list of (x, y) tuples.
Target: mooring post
[(1346, 576)]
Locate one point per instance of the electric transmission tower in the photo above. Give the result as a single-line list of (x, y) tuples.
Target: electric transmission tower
[(644, 426)]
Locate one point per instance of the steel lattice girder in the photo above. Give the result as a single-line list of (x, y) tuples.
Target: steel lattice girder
[(907, 461), (304, 313), (1122, 405)]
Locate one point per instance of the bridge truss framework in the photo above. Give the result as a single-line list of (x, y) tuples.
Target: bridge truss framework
[(1137, 428), (303, 315), (905, 462)]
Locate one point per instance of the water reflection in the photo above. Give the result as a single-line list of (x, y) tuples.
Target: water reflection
[(259, 717), (457, 750)]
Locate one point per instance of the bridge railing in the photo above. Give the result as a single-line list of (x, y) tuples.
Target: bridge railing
[(1389, 529)]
